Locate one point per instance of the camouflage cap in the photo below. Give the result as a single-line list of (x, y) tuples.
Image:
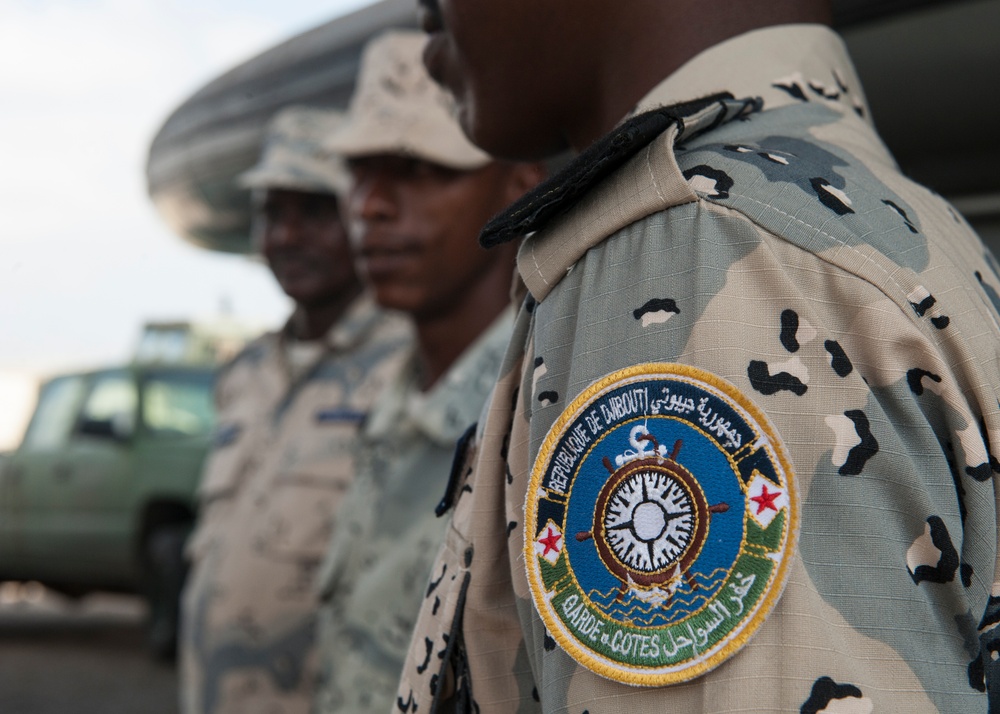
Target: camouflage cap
[(398, 109), (294, 156)]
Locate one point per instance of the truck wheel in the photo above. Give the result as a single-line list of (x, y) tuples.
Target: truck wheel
[(164, 571)]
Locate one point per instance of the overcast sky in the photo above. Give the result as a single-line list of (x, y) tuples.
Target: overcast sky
[(84, 86)]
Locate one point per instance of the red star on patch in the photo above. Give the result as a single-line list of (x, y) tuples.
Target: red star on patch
[(550, 541), (766, 499)]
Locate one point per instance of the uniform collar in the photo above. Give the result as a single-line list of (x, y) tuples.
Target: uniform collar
[(445, 412), (361, 315), (352, 329), (632, 172)]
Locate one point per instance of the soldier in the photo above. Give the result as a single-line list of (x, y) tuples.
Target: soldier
[(289, 407), (420, 195), (740, 454)]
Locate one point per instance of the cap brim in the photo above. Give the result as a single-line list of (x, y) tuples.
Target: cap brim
[(358, 139), (264, 178)]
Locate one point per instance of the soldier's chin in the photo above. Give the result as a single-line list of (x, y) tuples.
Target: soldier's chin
[(394, 295), (505, 137), (300, 291)]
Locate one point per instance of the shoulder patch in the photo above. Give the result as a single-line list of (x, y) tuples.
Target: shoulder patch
[(659, 524)]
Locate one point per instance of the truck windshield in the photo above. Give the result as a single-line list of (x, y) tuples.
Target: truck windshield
[(54, 415), (178, 404)]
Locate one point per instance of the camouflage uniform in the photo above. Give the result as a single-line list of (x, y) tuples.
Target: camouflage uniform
[(280, 466), (373, 578), (784, 353)]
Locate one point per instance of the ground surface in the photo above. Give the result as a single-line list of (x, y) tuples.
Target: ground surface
[(87, 657)]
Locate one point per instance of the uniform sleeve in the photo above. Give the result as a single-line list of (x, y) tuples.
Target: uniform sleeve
[(874, 415)]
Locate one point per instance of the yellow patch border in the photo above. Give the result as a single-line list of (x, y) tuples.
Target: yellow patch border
[(675, 674)]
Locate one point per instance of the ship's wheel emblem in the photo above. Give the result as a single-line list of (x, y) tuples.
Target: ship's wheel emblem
[(653, 559), (651, 518)]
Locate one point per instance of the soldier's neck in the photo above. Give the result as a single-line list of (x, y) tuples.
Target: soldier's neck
[(632, 63), (442, 340)]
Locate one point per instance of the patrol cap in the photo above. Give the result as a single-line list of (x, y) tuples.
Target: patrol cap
[(294, 157), (398, 109)]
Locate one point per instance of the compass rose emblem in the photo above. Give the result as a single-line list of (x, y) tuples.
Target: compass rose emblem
[(651, 518)]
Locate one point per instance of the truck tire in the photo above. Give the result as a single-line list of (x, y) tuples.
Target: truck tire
[(165, 569)]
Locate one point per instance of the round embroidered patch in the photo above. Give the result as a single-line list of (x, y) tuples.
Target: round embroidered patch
[(664, 510)]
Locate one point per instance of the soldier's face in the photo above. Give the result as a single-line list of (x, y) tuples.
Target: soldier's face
[(303, 239), (513, 67), (414, 226)]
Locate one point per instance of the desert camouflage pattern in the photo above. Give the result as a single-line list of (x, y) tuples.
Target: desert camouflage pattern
[(398, 109), (374, 576), (279, 468), (294, 156), (776, 245)]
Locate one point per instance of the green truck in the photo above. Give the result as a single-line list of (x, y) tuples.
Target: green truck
[(100, 493)]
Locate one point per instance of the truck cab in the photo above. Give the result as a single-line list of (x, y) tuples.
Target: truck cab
[(100, 493)]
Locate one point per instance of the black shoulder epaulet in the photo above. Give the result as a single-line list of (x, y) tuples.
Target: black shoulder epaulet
[(561, 191)]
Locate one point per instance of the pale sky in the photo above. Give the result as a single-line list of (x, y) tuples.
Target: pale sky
[(84, 86)]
